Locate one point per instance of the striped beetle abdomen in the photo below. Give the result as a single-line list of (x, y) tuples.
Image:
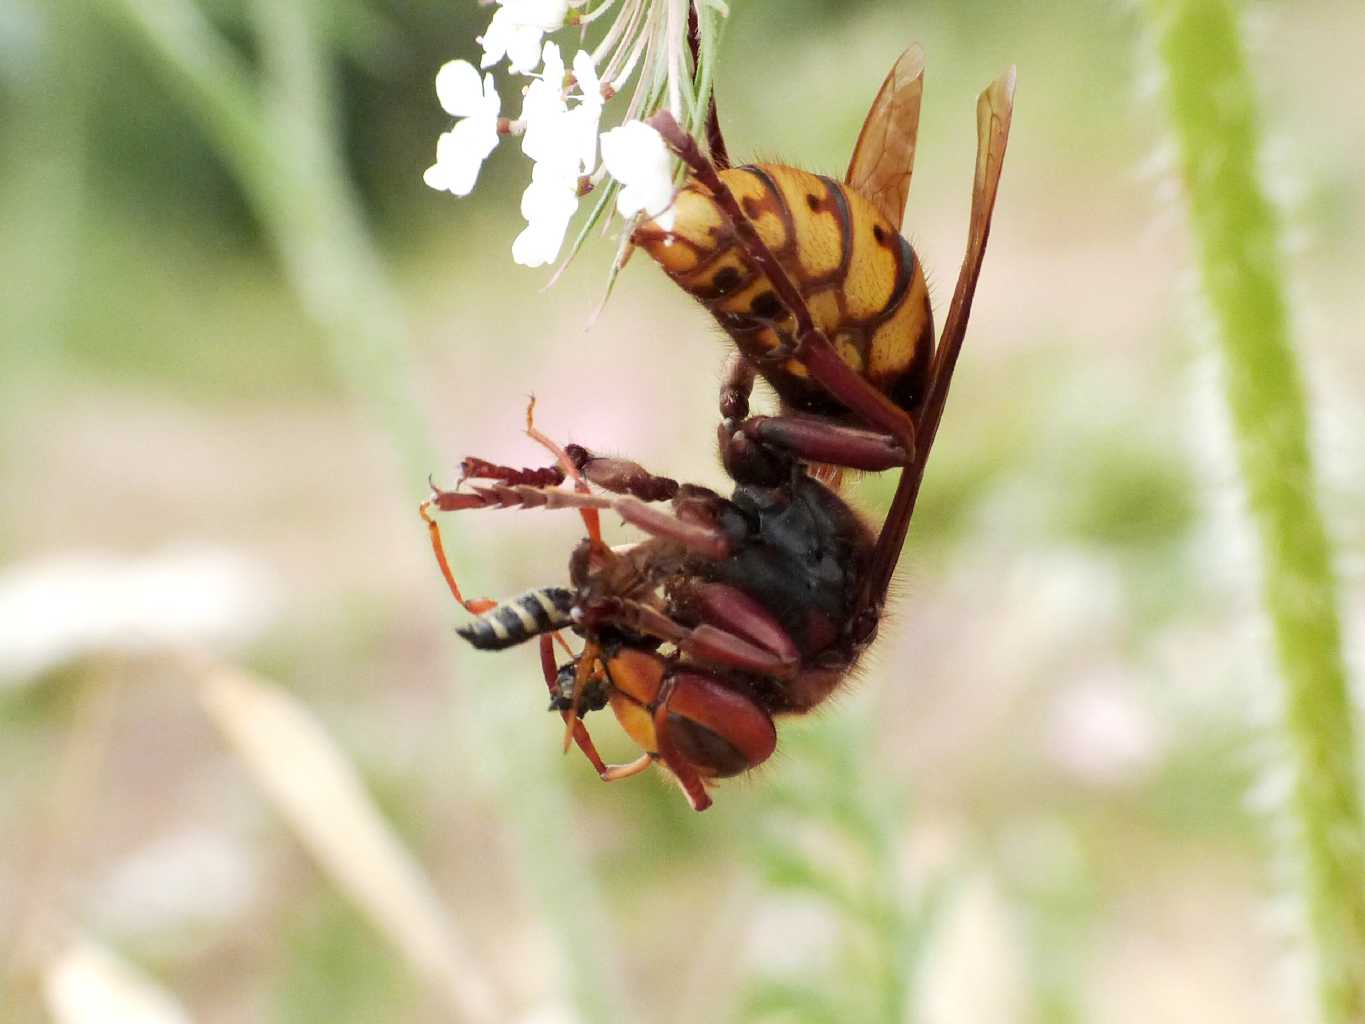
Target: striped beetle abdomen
[(859, 276), (520, 618)]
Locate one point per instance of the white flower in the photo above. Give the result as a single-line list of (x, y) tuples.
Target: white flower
[(636, 156), (87, 981), (460, 89), (584, 118), (554, 133), (516, 29), (544, 109), (546, 15), (461, 151), (548, 204)]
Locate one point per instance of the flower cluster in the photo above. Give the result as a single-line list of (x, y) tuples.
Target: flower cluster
[(561, 113)]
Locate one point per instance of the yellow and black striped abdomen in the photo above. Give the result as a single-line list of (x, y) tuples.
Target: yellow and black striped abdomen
[(860, 278)]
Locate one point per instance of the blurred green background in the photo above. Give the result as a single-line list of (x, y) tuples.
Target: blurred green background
[(1038, 800)]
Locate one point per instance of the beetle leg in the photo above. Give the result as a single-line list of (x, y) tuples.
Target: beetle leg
[(617, 772), (605, 772), (477, 606), (694, 711), (579, 730), (688, 778), (587, 662)]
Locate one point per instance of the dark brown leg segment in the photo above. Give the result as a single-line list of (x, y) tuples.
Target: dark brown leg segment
[(621, 476), (689, 700), (692, 786), (709, 642), (816, 439), (580, 731), (736, 612), (707, 541), (591, 521), (736, 388), (473, 468), (606, 772)]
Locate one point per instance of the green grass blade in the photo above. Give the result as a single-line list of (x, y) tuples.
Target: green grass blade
[(279, 137)]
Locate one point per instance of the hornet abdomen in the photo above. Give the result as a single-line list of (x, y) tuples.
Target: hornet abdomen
[(520, 618), (860, 278)]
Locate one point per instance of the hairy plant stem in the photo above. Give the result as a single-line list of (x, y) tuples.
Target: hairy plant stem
[(1211, 98)]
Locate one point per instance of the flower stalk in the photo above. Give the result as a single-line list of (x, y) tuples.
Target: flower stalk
[(1211, 100)]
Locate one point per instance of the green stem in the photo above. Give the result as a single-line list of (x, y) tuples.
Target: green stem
[(1212, 107), (286, 164), (41, 199), (279, 138)]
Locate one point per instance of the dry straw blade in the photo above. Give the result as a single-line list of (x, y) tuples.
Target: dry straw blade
[(85, 983), (318, 792)]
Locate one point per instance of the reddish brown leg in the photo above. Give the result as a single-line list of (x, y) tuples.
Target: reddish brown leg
[(591, 521), (477, 606), (736, 388), (476, 468), (688, 700), (587, 665), (812, 347), (707, 541), (993, 111), (735, 611), (579, 731), (692, 786), (811, 438), (473, 468), (816, 439), (720, 645), (621, 476)]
